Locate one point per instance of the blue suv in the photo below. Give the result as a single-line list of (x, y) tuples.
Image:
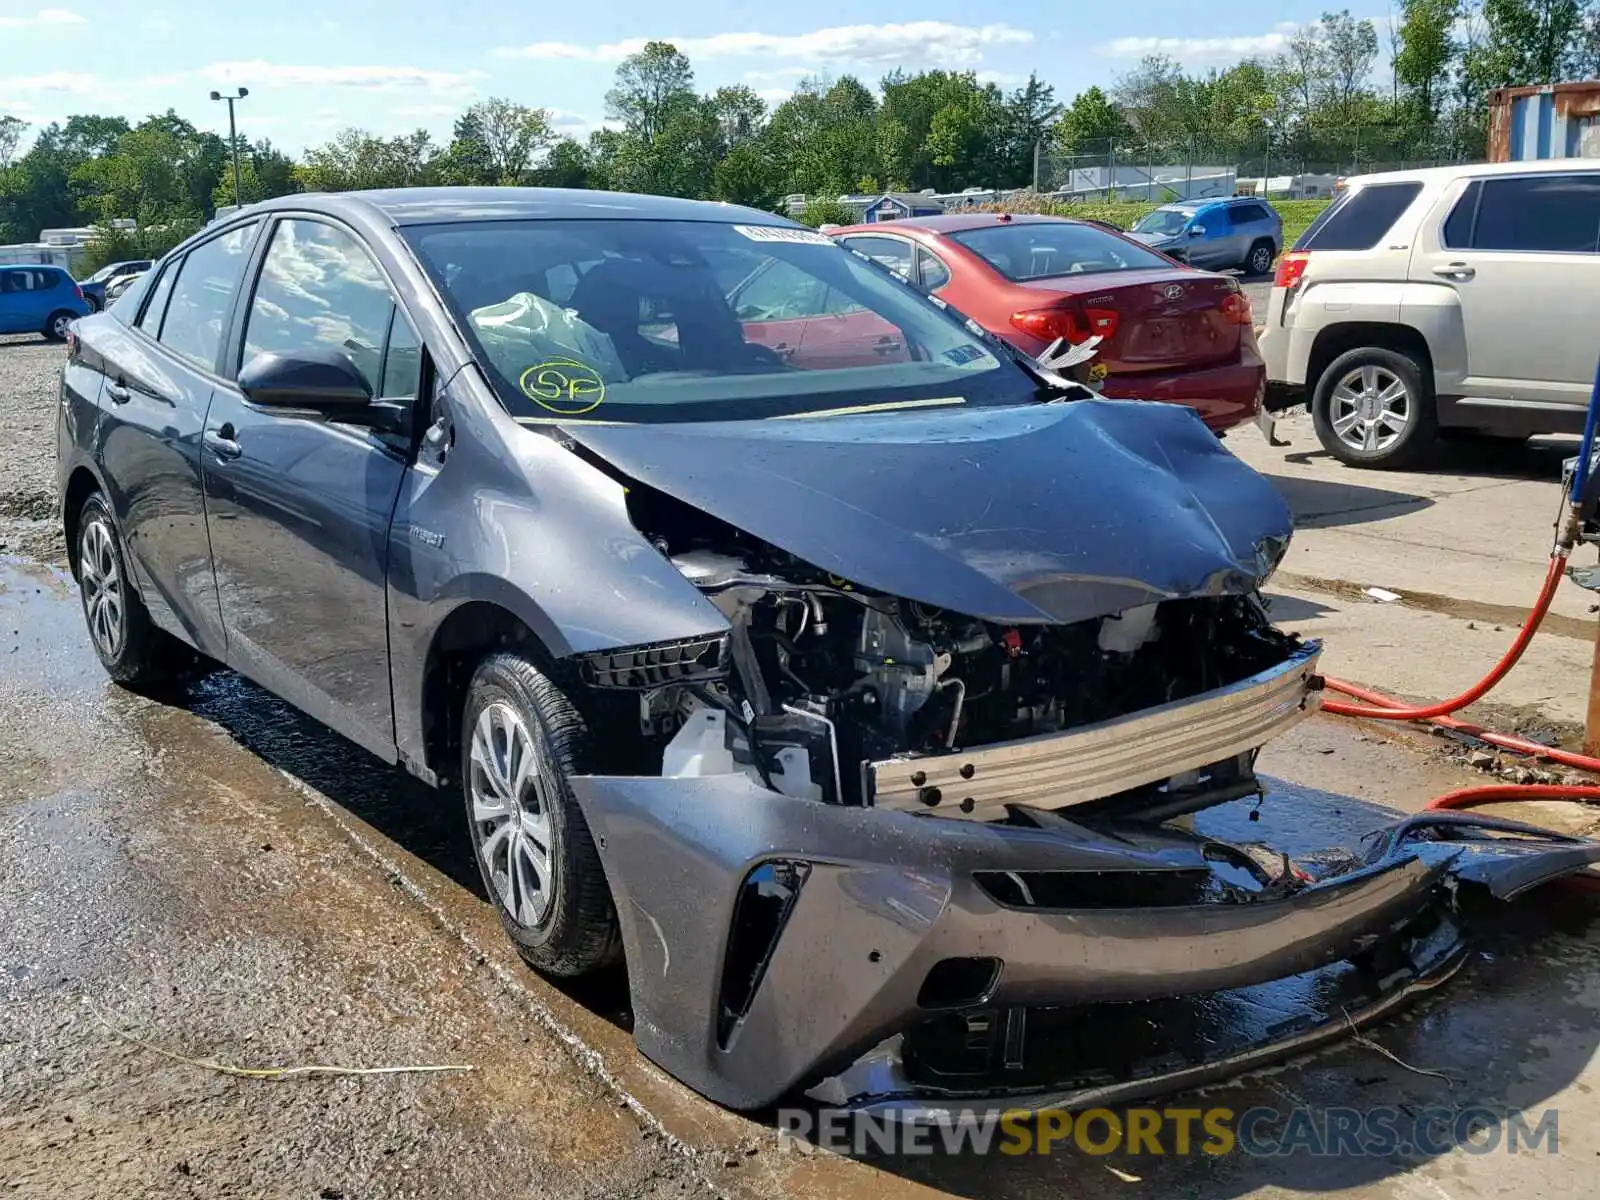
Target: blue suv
[(1217, 235), (94, 287), (39, 299)]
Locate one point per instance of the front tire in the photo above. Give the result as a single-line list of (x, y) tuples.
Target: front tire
[(521, 737), (131, 648), (1259, 260), (1373, 407)]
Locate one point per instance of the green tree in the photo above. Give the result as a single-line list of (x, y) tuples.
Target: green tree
[(1530, 41), (825, 211), (649, 88), (1427, 49), (1091, 122), (567, 166), (1028, 115), (356, 159), (515, 137), (11, 129)]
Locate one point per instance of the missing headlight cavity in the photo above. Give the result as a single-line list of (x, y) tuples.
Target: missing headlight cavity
[(959, 982), (765, 901)]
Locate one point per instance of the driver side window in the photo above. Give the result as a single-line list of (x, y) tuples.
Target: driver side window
[(319, 290), (779, 291)]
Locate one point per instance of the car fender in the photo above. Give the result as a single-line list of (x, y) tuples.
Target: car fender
[(516, 519), (1320, 306), (1434, 311)]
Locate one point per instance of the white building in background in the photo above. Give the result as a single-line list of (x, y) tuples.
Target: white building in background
[(57, 247)]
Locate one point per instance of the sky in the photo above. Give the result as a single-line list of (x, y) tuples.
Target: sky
[(389, 66)]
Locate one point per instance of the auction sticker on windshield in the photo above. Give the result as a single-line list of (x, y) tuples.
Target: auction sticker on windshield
[(564, 386), (779, 233)]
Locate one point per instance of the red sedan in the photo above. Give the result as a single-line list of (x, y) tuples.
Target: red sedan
[(1171, 332)]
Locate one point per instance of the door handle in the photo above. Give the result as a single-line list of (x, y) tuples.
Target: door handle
[(221, 443), (118, 394), (886, 345), (1455, 270)]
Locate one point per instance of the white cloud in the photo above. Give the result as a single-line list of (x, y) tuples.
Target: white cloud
[(157, 23), (1199, 49), (937, 43), (774, 96), (781, 73), (1003, 78), (428, 110), (260, 73), (53, 81), (45, 16)]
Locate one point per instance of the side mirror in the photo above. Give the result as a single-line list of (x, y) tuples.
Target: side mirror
[(321, 382), (1197, 231)]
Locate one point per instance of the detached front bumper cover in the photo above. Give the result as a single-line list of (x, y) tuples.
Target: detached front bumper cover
[(774, 942)]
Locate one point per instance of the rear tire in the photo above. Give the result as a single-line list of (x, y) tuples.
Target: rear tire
[(1259, 260), (59, 325), (521, 736), (134, 651), (1373, 407), (94, 305)]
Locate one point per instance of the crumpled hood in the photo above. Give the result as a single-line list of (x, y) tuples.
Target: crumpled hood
[(1158, 240), (1038, 513)]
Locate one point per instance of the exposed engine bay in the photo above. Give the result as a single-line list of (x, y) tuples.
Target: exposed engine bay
[(820, 679)]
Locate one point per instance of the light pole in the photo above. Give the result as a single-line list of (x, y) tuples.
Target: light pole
[(233, 140)]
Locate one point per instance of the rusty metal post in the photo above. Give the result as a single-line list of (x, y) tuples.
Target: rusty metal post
[(1591, 719)]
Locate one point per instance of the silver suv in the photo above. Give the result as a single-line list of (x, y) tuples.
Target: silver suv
[(1455, 301)]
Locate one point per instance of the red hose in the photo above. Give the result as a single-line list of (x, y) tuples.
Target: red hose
[(1386, 709), (1517, 793)]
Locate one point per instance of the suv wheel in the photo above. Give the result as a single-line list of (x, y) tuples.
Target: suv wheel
[(521, 737), (1259, 260), (1374, 408)]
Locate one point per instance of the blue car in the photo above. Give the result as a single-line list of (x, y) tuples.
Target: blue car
[(1217, 235), (94, 287), (39, 299)]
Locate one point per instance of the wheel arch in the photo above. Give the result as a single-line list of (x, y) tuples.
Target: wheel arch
[(1335, 340), (471, 631), (81, 484)]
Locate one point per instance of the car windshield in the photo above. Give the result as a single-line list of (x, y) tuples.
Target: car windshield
[(1163, 220), (1047, 249), (659, 321), (105, 273)]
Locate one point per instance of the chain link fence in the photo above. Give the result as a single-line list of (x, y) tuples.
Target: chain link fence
[(1302, 167)]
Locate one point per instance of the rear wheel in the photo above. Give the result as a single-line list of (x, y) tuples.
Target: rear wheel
[(521, 737), (59, 325), (94, 305), (1373, 407), (133, 650), (1259, 260)]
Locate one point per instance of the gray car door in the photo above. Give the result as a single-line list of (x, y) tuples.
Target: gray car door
[(298, 507), (160, 373)]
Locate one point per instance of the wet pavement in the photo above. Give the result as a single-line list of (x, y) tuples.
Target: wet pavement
[(211, 874)]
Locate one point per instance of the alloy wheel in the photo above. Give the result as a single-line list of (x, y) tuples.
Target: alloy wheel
[(100, 581), (1370, 408), (1260, 260), (510, 783), (61, 326)]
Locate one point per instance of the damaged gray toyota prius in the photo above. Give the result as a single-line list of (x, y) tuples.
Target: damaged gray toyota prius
[(853, 677)]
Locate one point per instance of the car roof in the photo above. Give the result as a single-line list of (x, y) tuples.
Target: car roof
[(960, 222), (1561, 166), (434, 205)]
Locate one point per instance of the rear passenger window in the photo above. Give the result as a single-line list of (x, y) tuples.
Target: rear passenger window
[(402, 362), (1457, 231), (1552, 213), (150, 320), (1361, 222), (202, 296)]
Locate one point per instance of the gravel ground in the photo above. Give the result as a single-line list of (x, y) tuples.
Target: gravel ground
[(30, 372)]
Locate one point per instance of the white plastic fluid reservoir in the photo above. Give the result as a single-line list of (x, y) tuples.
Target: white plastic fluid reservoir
[(699, 748)]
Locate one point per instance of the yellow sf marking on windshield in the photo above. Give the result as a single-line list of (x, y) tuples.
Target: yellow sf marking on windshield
[(887, 406)]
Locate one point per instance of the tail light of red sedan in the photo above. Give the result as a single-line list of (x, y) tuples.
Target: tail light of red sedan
[(1067, 321)]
